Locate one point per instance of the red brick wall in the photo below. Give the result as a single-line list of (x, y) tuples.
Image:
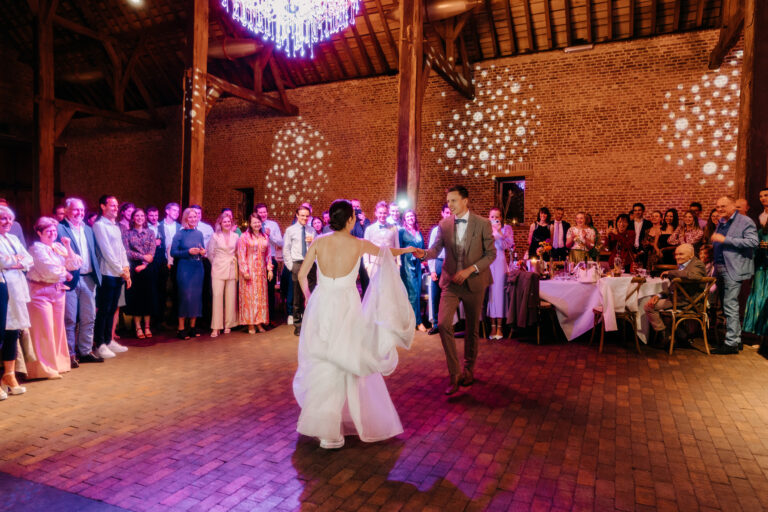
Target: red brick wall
[(600, 116)]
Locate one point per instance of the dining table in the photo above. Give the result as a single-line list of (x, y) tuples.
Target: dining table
[(575, 301)]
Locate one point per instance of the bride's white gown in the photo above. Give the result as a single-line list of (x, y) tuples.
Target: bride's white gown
[(344, 348)]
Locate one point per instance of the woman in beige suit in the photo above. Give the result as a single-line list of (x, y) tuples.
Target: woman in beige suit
[(222, 251)]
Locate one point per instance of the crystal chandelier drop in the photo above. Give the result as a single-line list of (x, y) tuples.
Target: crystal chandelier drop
[(293, 25)]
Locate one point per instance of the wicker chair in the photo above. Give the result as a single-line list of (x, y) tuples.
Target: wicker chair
[(627, 316), (695, 309)]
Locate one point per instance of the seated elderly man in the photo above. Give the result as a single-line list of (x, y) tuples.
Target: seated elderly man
[(689, 267)]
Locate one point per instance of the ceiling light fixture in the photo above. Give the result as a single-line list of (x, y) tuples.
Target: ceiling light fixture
[(295, 26)]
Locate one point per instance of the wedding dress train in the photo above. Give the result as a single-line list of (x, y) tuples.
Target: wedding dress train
[(345, 347)]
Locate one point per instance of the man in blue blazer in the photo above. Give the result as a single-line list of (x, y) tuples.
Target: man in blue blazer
[(734, 243), (80, 306)]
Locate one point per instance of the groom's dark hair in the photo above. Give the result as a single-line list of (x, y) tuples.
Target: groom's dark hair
[(461, 189), (340, 212)]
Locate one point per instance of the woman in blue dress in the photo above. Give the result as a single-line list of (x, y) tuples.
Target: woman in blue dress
[(188, 250), (756, 313), (410, 268)]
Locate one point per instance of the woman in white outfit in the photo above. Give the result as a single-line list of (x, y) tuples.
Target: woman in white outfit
[(345, 347), (503, 239), (222, 251), (14, 261)]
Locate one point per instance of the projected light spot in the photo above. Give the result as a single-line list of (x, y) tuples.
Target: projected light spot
[(298, 159), (520, 131), (710, 123), (451, 153)]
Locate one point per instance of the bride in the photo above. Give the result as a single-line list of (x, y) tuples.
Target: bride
[(346, 346)]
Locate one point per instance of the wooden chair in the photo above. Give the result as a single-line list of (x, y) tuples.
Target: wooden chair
[(661, 267), (545, 308), (626, 315), (696, 308)]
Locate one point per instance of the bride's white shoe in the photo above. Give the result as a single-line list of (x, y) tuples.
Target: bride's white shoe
[(331, 445)]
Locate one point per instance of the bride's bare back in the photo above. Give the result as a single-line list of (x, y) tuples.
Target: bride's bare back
[(337, 253)]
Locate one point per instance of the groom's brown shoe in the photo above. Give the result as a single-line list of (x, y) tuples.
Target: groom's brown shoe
[(454, 386), (467, 379)]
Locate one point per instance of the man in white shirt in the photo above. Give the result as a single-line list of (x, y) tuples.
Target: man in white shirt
[(380, 233), (272, 230), (202, 226), (80, 300), (298, 238), (435, 270), (166, 275), (113, 264), (559, 229)]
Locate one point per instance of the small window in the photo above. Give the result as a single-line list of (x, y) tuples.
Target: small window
[(510, 194)]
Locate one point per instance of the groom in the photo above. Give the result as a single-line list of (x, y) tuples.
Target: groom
[(469, 251)]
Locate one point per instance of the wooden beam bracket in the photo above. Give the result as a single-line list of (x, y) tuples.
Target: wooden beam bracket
[(729, 35), (461, 81)]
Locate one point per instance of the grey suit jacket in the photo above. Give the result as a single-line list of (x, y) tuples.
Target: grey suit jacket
[(479, 246), (739, 248), (690, 275)]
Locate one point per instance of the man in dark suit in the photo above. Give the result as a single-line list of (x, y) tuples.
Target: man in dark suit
[(166, 231), (734, 243), (359, 231), (640, 225), (80, 305), (469, 251), (153, 223), (691, 269), (559, 229)]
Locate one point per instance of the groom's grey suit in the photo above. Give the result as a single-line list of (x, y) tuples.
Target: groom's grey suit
[(476, 249)]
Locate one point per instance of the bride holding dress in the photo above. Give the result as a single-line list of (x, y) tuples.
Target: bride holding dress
[(346, 346)]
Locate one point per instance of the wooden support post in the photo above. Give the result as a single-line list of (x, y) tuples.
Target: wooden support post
[(44, 110), (752, 158), (411, 89), (192, 158)]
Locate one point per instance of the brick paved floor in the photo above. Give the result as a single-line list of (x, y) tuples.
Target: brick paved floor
[(209, 425)]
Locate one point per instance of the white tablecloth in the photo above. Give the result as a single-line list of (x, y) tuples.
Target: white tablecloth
[(574, 301)]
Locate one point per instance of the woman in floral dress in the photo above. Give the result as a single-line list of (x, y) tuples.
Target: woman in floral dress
[(254, 258)]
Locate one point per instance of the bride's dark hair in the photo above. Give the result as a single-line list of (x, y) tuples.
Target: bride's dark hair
[(340, 212)]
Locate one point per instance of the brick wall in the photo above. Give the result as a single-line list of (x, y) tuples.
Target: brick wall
[(597, 137)]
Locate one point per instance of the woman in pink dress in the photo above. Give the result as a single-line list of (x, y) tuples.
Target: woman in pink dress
[(254, 258), (52, 263)]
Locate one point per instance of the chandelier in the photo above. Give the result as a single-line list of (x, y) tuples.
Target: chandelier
[(293, 25)]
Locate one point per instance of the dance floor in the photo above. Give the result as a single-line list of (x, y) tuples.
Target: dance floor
[(210, 425)]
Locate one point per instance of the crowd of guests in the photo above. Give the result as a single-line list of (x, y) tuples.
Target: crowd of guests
[(728, 244), (61, 296)]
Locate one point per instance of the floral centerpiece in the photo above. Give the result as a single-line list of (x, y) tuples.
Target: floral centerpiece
[(544, 250)]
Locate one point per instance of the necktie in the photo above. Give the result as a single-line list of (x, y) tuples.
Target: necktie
[(303, 241), (459, 221)]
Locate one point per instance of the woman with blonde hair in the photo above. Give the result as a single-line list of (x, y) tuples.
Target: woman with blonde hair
[(254, 256), (52, 262), (222, 252), (14, 296), (188, 250)]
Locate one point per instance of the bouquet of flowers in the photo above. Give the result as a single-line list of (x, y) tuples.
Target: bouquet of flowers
[(544, 249)]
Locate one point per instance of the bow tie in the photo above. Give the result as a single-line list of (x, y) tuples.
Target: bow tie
[(382, 226), (459, 221)]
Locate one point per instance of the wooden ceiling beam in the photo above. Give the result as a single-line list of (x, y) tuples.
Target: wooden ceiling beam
[(700, 13), (80, 29), (446, 69), (337, 58), (548, 24), (529, 26), (677, 16), (632, 18), (609, 19), (363, 51), (654, 16), (325, 64), (63, 117), (492, 25), (351, 56), (733, 26), (287, 105), (476, 36), (286, 73), (588, 8), (568, 23), (108, 114), (387, 31), (376, 45), (250, 96), (511, 25)]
